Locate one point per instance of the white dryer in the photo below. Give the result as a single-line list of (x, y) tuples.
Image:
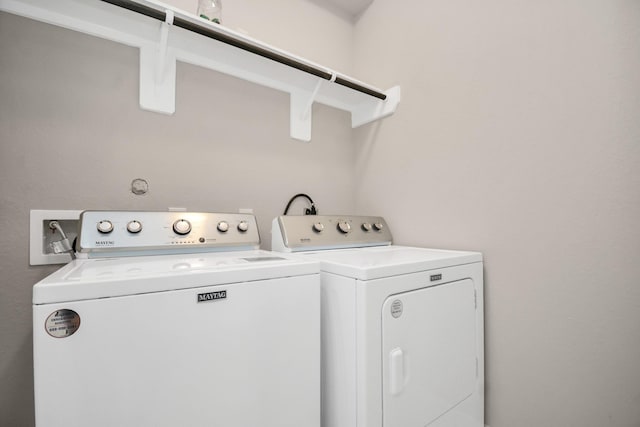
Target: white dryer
[(177, 319), (402, 327)]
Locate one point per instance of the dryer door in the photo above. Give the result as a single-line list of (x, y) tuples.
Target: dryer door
[(428, 352)]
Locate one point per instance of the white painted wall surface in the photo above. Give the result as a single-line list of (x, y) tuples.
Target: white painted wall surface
[(518, 136)]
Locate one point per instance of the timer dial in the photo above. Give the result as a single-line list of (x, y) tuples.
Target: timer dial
[(182, 227)]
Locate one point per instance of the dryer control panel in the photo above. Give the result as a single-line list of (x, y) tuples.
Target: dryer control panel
[(122, 233), (315, 232)]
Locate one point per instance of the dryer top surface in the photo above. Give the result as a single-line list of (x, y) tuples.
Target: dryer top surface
[(385, 261)]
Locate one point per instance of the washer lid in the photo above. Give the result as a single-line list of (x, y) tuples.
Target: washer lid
[(377, 262), (103, 278)]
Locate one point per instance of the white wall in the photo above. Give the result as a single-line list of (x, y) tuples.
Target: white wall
[(72, 137), (518, 136)]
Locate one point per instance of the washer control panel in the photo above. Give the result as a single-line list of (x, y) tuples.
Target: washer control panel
[(299, 233), (121, 233)]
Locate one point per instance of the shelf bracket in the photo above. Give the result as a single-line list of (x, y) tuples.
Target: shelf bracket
[(376, 110), (158, 72), (300, 111)]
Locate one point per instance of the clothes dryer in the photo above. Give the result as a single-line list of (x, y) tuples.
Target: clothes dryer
[(402, 327), (176, 319)]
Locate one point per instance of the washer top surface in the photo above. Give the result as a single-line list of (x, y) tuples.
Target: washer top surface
[(84, 279), (385, 261)]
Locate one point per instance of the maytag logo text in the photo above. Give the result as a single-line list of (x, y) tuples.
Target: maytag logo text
[(212, 296)]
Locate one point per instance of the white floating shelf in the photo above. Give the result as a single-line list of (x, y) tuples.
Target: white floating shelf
[(165, 35)]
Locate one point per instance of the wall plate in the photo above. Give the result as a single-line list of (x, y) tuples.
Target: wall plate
[(41, 236)]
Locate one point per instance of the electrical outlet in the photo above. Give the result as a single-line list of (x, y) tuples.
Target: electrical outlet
[(43, 237)]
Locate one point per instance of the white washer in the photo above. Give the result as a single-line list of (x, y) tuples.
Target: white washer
[(402, 327), (218, 333)]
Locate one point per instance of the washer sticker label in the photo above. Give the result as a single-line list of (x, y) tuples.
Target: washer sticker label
[(435, 277), (212, 296), (62, 323), (396, 308)]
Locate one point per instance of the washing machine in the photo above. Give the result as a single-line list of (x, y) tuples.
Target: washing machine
[(176, 319), (402, 327)]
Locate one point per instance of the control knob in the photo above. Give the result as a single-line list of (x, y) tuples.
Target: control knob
[(243, 226), (105, 226), (182, 227), (366, 226), (318, 227), (378, 226), (344, 227), (223, 226), (134, 226)]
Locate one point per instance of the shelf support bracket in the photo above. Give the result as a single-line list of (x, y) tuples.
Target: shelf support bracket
[(377, 110), (158, 72), (300, 111)]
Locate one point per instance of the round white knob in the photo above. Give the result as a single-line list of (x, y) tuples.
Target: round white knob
[(182, 226), (243, 226), (366, 226), (134, 226), (318, 227), (223, 226), (344, 227), (105, 226), (378, 226)]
